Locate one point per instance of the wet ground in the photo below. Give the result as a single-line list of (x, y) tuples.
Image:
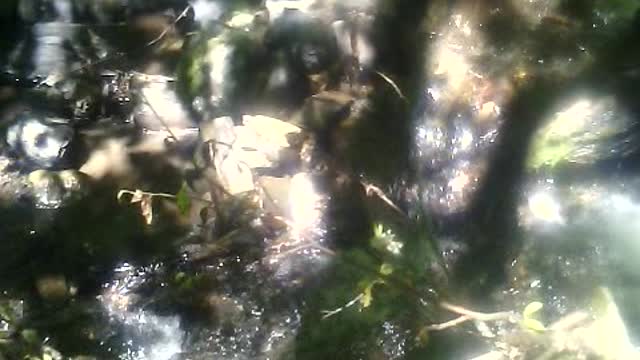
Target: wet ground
[(216, 179)]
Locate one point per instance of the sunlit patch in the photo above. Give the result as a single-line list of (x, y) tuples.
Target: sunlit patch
[(623, 203), (435, 93), (220, 58), (361, 47), (305, 205), (534, 11), (241, 20), (463, 140), (459, 182), (544, 207), (452, 189), (146, 336), (453, 65), (587, 130), (572, 119), (277, 7), (206, 11), (431, 142), (111, 158)]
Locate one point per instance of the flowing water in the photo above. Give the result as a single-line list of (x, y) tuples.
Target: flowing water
[(307, 179)]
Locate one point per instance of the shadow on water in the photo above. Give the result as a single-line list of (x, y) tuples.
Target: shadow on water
[(493, 233), (378, 151)]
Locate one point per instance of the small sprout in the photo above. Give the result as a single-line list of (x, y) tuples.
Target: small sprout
[(527, 317), (532, 308), (378, 230), (367, 296)]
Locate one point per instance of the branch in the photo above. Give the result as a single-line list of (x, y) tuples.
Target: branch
[(371, 189), (168, 27), (329, 313), (393, 84), (466, 315)]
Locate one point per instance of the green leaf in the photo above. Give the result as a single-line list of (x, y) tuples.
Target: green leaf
[(533, 324), (367, 296), (531, 309), (528, 321), (386, 269), (183, 200)]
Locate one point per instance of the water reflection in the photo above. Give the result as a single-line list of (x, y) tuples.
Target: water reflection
[(458, 116), (145, 335)]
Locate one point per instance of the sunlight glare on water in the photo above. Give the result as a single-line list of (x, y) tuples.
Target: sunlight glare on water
[(304, 205), (147, 336)]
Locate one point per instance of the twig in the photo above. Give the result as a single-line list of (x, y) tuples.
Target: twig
[(466, 315), (503, 315), (166, 29), (312, 244), (448, 324), (329, 313), (372, 189), (393, 84), (155, 113), (161, 195)]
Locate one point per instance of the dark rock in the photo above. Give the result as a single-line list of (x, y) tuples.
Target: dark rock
[(39, 141)]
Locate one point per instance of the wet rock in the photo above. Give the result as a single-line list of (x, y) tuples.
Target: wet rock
[(141, 331), (117, 93), (224, 311), (276, 193), (13, 185), (323, 111), (53, 288), (353, 39), (161, 115), (45, 10), (40, 141), (11, 313), (309, 44), (223, 74), (55, 189), (285, 88), (584, 132)]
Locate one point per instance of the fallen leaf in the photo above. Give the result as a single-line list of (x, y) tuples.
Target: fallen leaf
[(146, 208), (137, 196)]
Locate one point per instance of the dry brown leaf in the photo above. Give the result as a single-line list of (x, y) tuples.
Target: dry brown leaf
[(137, 196), (146, 208)]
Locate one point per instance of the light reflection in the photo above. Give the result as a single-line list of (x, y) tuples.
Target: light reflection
[(206, 11), (149, 336), (220, 58), (459, 120), (277, 7), (304, 205), (545, 208), (572, 119), (453, 65)]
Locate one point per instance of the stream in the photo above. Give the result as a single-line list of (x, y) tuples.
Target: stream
[(319, 179)]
